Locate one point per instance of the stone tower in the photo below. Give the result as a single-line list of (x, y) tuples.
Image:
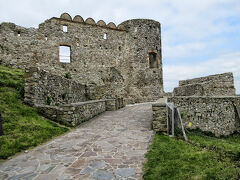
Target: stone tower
[(145, 58)]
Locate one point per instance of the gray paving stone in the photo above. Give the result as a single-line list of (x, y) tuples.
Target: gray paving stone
[(102, 175), (125, 172), (98, 164), (86, 170), (30, 176), (3, 175), (46, 168), (19, 176)]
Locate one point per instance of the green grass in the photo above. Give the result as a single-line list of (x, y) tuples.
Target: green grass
[(204, 157), (22, 126)]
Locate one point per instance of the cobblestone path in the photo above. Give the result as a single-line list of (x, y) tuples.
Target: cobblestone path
[(110, 146)]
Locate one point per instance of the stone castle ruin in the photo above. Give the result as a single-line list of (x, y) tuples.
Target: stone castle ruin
[(208, 103), (123, 61), (76, 69)]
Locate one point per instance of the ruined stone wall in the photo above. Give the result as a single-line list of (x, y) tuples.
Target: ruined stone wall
[(144, 38), (160, 117), (227, 78), (42, 87), (214, 85), (115, 66), (73, 114), (219, 115)]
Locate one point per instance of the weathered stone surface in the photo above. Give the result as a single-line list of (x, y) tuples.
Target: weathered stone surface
[(86, 170), (214, 85), (68, 101), (208, 103), (90, 21), (73, 114), (101, 23), (102, 175), (111, 25), (224, 77), (218, 115), (117, 154), (160, 117), (42, 87), (115, 67), (98, 164), (78, 18), (125, 172), (66, 16)]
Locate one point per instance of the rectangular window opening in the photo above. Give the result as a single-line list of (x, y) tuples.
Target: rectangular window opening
[(64, 54), (104, 36), (153, 60), (65, 28)]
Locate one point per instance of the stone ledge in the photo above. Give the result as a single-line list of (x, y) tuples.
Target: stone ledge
[(159, 105), (75, 113), (204, 97), (83, 103)]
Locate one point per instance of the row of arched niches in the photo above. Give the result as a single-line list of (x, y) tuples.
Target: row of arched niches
[(79, 19)]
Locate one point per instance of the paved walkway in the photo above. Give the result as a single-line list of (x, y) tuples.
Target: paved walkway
[(110, 146)]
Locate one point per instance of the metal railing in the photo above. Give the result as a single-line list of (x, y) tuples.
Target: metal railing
[(171, 106)]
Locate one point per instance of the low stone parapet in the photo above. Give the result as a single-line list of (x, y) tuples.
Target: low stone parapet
[(160, 115), (219, 115), (76, 113)]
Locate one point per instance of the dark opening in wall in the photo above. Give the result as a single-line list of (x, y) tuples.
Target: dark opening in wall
[(18, 33), (119, 48), (65, 54), (65, 28), (153, 60)]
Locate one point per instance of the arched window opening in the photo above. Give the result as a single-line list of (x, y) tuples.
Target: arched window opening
[(153, 60), (64, 54), (18, 33)]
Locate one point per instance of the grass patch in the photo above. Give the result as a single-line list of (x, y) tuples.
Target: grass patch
[(204, 157), (22, 126)]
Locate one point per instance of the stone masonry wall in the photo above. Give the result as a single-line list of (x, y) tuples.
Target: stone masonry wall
[(219, 115), (227, 78), (115, 66), (160, 117), (42, 87), (73, 114), (63, 100), (214, 85)]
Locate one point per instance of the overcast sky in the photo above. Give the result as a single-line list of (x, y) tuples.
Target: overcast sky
[(199, 37)]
